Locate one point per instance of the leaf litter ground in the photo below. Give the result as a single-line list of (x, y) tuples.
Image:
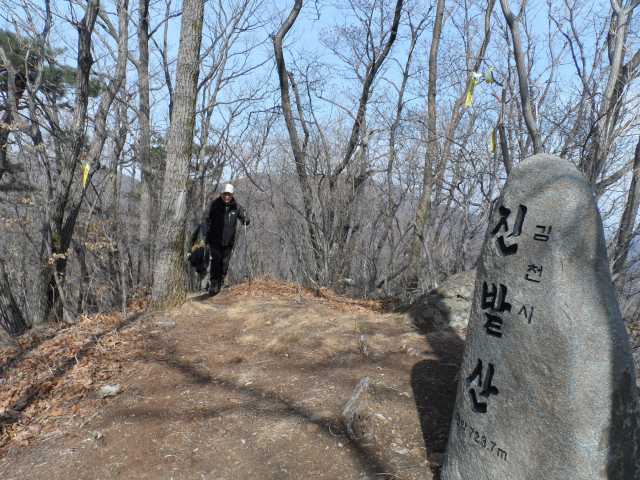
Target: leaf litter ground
[(248, 384)]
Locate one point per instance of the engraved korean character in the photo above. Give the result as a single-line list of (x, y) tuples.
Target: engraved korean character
[(487, 388), (504, 212), (494, 298), (543, 235), (528, 314), (534, 273)]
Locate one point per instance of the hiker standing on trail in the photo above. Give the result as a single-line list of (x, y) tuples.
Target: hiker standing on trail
[(199, 252), (223, 215)]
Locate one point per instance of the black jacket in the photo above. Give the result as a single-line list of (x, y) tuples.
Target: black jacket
[(222, 221)]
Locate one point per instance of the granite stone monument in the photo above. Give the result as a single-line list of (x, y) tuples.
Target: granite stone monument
[(547, 384)]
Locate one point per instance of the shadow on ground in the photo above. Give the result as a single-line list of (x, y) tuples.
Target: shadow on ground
[(213, 391), (368, 461), (264, 403), (434, 384)]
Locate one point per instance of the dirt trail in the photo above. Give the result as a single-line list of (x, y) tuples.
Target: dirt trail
[(247, 385)]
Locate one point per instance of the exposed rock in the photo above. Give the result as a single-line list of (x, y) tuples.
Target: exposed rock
[(324, 415), (399, 450), (110, 390), (447, 305), (546, 386)]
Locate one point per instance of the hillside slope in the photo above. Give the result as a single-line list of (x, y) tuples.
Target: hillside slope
[(249, 384)]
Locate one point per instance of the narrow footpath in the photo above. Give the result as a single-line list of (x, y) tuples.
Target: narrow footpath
[(249, 384)]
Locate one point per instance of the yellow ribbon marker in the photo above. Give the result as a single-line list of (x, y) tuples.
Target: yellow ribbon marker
[(489, 77), (84, 177), (474, 82), (493, 140), (57, 244)]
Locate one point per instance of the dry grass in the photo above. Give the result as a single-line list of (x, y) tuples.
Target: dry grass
[(322, 325), (197, 307), (248, 339), (274, 362), (265, 288), (270, 433), (283, 342), (249, 376)]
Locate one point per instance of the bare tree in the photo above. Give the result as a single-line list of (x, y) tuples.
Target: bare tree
[(416, 244), (223, 63), (434, 168), (361, 162), (144, 145), (392, 202), (600, 118), (12, 319), (61, 215), (523, 84), (626, 233), (602, 134), (168, 285), (333, 221), (298, 148)]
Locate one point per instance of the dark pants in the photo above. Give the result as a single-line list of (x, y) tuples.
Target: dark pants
[(220, 256)]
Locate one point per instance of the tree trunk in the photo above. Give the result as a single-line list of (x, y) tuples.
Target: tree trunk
[(62, 213), (11, 318), (7, 119), (355, 155), (523, 83), (625, 227), (168, 285), (434, 181), (144, 148), (367, 84), (15, 90), (425, 201), (392, 206), (4, 139), (117, 147), (46, 290), (299, 151)]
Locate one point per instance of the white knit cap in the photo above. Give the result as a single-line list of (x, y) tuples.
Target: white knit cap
[(228, 188)]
